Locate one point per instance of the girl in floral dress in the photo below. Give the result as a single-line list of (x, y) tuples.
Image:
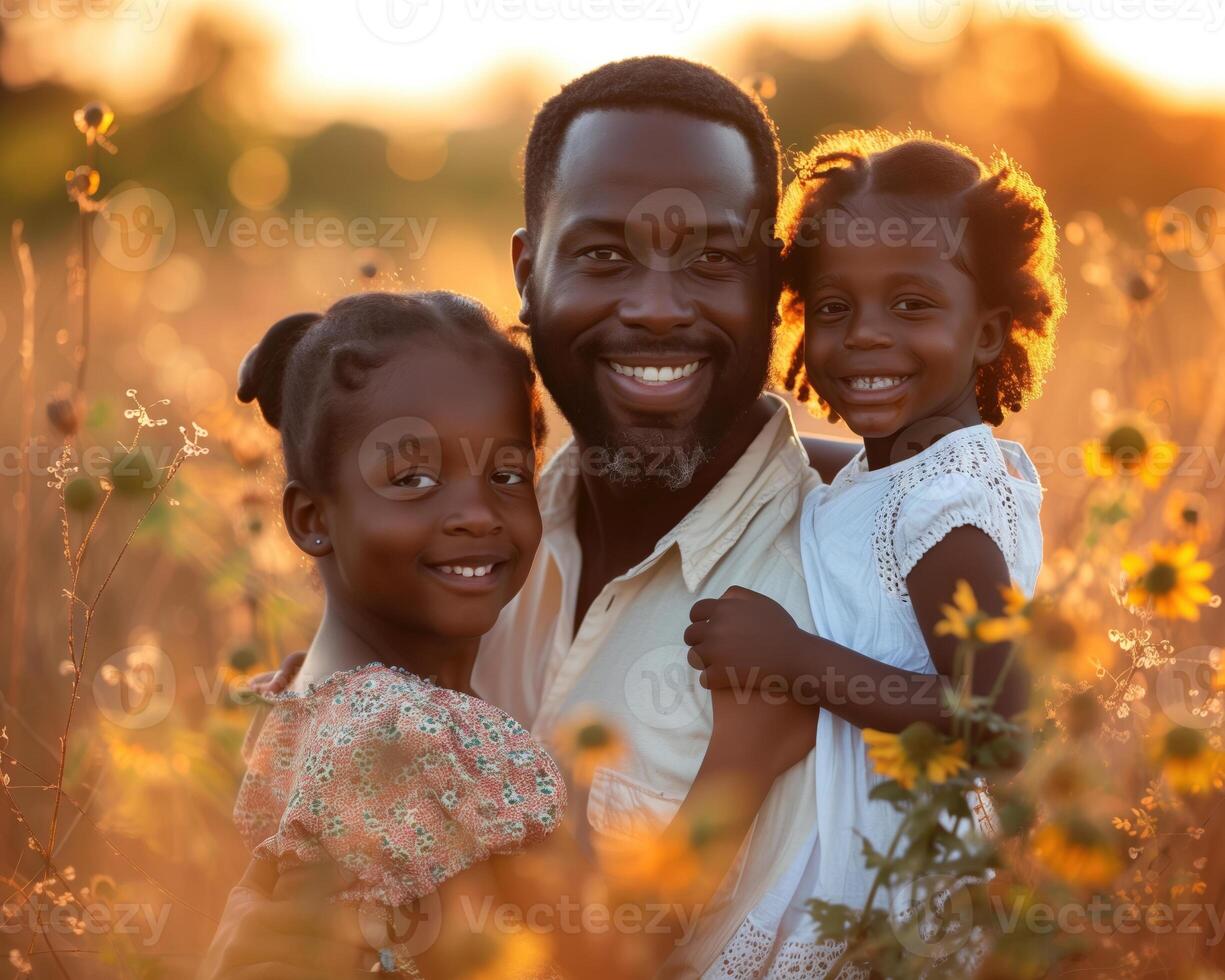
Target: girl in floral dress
[(410, 427)]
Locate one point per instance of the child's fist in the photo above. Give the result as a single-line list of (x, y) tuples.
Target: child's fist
[(741, 630)]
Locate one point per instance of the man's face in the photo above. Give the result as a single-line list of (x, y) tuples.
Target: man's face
[(647, 288)]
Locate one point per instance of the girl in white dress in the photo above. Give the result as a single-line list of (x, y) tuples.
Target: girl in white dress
[(929, 293)]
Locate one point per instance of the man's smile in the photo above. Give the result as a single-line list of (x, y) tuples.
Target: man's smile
[(656, 383)]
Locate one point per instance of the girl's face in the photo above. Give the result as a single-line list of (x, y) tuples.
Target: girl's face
[(433, 521), (894, 331)]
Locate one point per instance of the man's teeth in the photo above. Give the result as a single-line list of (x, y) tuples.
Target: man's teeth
[(875, 383), (467, 571), (656, 375)]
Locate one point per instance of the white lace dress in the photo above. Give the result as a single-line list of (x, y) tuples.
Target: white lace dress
[(861, 536)]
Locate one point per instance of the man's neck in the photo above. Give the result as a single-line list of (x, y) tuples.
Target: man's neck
[(618, 525)]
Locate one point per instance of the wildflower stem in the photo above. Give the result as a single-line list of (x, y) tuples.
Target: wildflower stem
[(21, 563)]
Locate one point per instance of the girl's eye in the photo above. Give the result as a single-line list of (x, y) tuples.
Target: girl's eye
[(832, 307), (913, 304), (605, 253), (415, 481), (508, 478)]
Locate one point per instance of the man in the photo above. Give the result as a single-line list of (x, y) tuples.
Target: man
[(649, 286)]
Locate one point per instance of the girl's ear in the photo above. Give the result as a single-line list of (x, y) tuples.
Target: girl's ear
[(304, 520), (992, 335), (521, 258)]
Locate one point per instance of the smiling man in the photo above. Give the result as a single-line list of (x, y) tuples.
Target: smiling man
[(649, 286)]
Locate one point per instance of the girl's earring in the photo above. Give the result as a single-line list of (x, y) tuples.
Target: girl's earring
[(318, 540)]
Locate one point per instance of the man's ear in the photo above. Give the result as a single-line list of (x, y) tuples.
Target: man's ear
[(304, 520), (993, 332), (522, 257)]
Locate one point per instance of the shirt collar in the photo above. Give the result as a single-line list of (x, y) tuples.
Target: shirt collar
[(773, 462)]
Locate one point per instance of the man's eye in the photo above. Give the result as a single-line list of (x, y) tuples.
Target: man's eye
[(415, 481), (605, 253), (508, 478), (715, 257), (913, 304)]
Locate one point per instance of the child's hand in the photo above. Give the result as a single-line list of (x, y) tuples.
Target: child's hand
[(740, 631)]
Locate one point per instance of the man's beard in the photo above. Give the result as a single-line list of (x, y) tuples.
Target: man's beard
[(644, 455)]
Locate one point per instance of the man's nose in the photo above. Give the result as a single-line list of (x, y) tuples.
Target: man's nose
[(659, 302)]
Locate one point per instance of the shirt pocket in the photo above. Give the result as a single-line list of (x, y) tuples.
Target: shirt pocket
[(621, 811)]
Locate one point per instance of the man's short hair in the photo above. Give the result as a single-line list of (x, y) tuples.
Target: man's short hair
[(654, 82)]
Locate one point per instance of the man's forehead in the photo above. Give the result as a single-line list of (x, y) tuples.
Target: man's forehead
[(613, 151)]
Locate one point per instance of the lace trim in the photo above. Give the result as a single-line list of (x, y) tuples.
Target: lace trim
[(976, 456), (747, 957)]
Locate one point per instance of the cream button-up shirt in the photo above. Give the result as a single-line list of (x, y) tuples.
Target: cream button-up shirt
[(627, 663)]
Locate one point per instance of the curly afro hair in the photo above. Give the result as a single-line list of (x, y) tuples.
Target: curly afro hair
[(1011, 246)]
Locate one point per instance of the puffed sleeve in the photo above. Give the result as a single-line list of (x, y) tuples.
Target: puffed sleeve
[(942, 502), (406, 786)]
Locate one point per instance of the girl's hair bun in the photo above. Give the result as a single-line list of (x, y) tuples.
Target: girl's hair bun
[(261, 375)]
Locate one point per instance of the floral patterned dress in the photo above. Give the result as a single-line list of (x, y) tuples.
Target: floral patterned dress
[(402, 782)]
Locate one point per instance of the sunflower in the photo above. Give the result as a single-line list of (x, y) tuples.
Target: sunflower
[(1064, 643), (919, 751), (585, 742), (1130, 449), (1186, 515), (1077, 851), (1172, 578), (966, 621), (1188, 763)]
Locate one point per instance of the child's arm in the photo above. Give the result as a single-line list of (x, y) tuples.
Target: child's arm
[(745, 639), (752, 743)]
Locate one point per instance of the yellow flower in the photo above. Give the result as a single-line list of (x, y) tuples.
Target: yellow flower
[(1076, 851), (1188, 763), (1172, 578), (1064, 643), (1186, 515), (1129, 450), (964, 620), (917, 752), (586, 742), (82, 183), (95, 120)]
